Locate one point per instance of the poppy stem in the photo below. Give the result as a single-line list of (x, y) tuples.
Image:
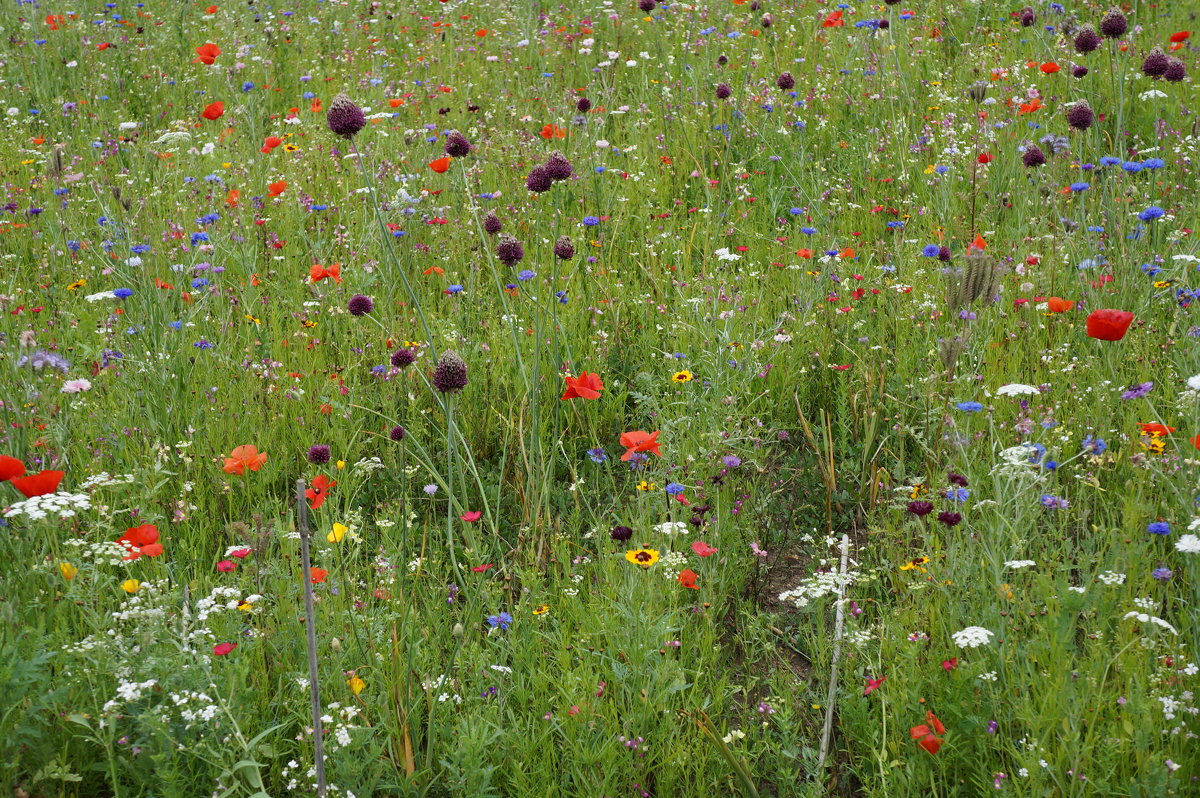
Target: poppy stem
[(310, 623)]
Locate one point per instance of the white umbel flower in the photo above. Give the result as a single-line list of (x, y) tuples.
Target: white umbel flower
[(973, 637)]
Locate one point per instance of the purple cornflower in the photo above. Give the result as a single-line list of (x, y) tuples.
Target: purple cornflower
[(920, 508), (1138, 391), (1054, 502)]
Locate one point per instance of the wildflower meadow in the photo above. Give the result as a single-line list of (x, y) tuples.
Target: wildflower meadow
[(599, 399)]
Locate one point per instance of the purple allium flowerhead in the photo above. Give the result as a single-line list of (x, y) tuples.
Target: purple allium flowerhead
[(621, 533), (457, 145), (1176, 71), (539, 180), (1113, 24), (558, 167), (1156, 63), (920, 508), (319, 454), (403, 357), (1079, 70), (884, 24), (509, 250), (785, 81), (891, 2), (1033, 156), (1087, 39), (563, 248), (723, 90), (583, 105), (646, 5), (944, 253), (450, 374), (767, 21), (722, 60), (360, 305), (1080, 116), (492, 223), (1027, 16), (397, 434), (344, 117)]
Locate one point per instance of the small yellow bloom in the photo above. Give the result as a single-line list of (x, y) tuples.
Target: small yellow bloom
[(644, 485), (341, 464), (227, 164), (290, 148), (131, 585), (682, 376), (250, 318), (541, 609), (356, 684), (245, 606), (339, 532), (917, 490), (68, 570), (642, 557), (80, 283)]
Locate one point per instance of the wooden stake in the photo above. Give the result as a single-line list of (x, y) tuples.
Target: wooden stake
[(310, 623)]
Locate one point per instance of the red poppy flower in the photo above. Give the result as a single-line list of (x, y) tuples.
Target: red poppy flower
[(950, 664), (1155, 430), (271, 142), (38, 484), (639, 441), (1108, 325), (481, 568), (552, 132), (834, 20), (277, 188), (1049, 67), (586, 386), (979, 243), (985, 158), (873, 685), (687, 578), (471, 516), (221, 649), (244, 457), (1056, 305), (317, 575), (10, 467), (702, 549), (213, 111), (210, 10), (207, 54), (141, 540), (925, 734), (1029, 108), (317, 273), (441, 164), (319, 490), (1181, 36)]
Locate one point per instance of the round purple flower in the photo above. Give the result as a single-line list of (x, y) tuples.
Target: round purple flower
[(920, 508), (722, 60), (539, 180), (723, 90), (1033, 156), (1175, 72), (492, 223), (558, 167), (403, 357), (397, 434), (948, 518), (944, 253), (360, 305), (319, 454), (956, 479), (1113, 24), (583, 105), (1156, 63), (563, 248), (457, 145), (1080, 116), (450, 374), (509, 250), (646, 5), (1087, 40), (621, 533), (1027, 16), (785, 81), (1078, 71), (344, 117)]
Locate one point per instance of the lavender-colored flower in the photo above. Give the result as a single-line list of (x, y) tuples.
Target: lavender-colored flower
[(1033, 156), (1162, 574), (563, 248), (403, 357), (785, 81), (1138, 391), (1156, 63), (492, 223), (583, 105), (450, 374), (558, 167), (1054, 502), (1113, 24), (723, 91), (41, 359), (539, 180), (397, 434), (509, 250), (621, 533), (1027, 16), (360, 305), (1080, 116), (344, 117), (1087, 40), (1176, 71), (319, 454), (457, 145)]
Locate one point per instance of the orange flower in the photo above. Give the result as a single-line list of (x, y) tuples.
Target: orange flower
[(441, 164), (317, 575), (848, 252), (1056, 305), (317, 273), (319, 490), (316, 106), (244, 457), (552, 132), (639, 441), (207, 54), (277, 188), (925, 733), (687, 578), (231, 199), (586, 386), (270, 143), (1181, 36), (805, 253), (834, 20), (978, 243), (213, 111), (210, 10), (1153, 429), (1029, 108), (481, 32), (141, 540)]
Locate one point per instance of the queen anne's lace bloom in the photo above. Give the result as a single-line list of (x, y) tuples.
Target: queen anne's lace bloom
[(973, 637)]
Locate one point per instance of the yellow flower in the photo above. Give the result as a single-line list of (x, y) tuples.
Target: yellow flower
[(290, 148), (541, 609), (917, 490), (69, 571), (131, 585), (80, 283), (341, 464), (252, 319), (227, 164), (642, 557), (915, 564), (246, 606), (339, 532), (644, 485), (355, 684), (682, 376), (309, 324)]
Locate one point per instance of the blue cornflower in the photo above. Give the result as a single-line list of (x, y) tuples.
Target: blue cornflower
[(591, 221), (896, 224), (673, 489), (175, 325), (969, 407), (1162, 574), (957, 494), (140, 249), (247, 86), (526, 274), (562, 297), (1109, 160), (123, 293), (931, 250), (203, 345), (1039, 451), (1133, 167), (1094, 445), (1153, 212), (941, 169), (597, 455), (454, 289), (1159, 528), (1149, 269), (502, 620), (1153, 163), (1080, 186), (199, 282), (198, 238), (808, 231), (796, 211), (1054, 502)]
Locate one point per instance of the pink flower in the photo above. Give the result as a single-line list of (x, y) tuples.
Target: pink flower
[(240, 553), (950, 664), (225, 566), (873, 685), (755, 550), (471, 516), (221, 649), (702, 549)]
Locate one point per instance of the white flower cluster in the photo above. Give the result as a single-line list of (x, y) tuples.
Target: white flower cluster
[(338, 720), (671, 563), (104, 479), (1188, 544), (973, 637), (127, 692), (1017, 565), (1017, 389), (195, 707), (1111, 578), (367, 466), (671, 528), (105, 552), (1017, 461), (817, 586), (64, 505), (1147, 618)]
